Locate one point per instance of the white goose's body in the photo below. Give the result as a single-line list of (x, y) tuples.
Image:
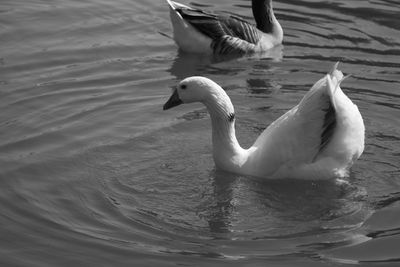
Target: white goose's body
[(320, 138), (197, 31)]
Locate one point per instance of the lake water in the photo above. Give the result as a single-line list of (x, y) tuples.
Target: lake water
[(94, 173)]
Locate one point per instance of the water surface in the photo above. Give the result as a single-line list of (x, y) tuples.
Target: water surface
[(94, 173)]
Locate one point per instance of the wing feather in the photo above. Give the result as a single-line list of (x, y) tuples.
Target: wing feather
[(300, 135), (220, 26), (231, 45)]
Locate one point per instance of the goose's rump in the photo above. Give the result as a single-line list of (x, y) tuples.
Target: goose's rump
[(311, 141), (185, 35)]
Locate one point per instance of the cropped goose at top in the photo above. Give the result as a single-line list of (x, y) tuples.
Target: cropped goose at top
[(198, 31), (320, 138)]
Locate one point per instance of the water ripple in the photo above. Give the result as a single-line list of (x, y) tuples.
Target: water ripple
[(93, 172)]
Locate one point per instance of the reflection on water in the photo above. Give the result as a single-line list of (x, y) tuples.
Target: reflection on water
[(94, 173), (185, 64), (253, 209)]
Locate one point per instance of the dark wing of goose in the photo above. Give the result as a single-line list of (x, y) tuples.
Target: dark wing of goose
[(227, 45), (241, 29), (218, 26), (329, 125)]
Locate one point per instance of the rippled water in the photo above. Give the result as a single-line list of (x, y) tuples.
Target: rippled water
[(94, 173)]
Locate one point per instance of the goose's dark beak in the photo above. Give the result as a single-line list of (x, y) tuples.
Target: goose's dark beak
[(173, 101)]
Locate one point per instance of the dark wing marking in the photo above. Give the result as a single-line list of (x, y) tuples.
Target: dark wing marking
[(241, 29), (206, 23), (217, 26), (329, 125), (231, 45), (231, 117)]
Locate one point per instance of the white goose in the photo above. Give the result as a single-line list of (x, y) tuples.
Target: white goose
[(197, 31), (320, 138)]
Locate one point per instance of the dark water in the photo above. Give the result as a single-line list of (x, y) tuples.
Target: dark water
[(94, 173)]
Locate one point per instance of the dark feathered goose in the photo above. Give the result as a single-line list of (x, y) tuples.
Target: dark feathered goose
[(198, 31)]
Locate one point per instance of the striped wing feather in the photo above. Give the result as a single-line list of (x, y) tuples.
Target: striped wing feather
[(224, 30)]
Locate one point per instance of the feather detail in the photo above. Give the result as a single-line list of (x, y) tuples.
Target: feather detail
[(218, 26), (329, 124), (231, 45)]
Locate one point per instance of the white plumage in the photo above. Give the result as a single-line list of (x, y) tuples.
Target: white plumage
[(198, 31), (320, 138)]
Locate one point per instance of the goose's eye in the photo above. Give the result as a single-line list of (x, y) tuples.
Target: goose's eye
[(183, 86)]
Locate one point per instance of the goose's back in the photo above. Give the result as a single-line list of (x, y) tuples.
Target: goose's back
[(318, 139)]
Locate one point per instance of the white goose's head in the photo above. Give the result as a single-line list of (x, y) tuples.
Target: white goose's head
[(201, 89)]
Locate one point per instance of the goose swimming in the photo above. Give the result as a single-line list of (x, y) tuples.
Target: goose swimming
[(198, 31), (320, 138)]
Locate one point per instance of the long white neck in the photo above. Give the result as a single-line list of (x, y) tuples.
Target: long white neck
[(228, 154)]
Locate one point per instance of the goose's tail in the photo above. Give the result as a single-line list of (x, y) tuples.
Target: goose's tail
[(174, 5), (334, 79)]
